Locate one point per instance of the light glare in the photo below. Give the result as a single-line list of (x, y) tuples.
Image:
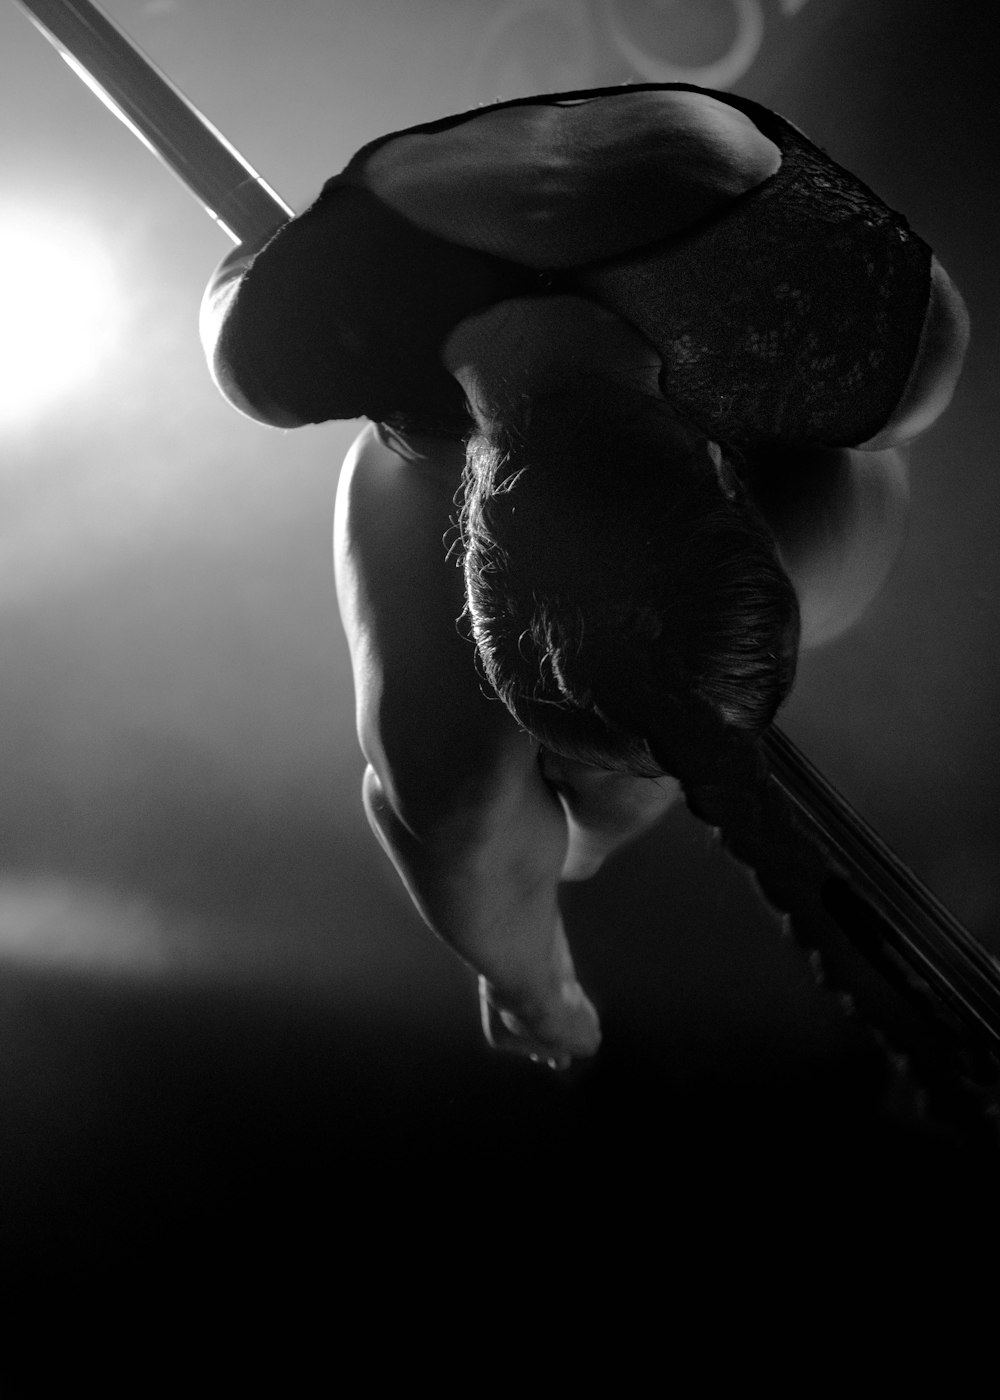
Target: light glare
[(62, 312)]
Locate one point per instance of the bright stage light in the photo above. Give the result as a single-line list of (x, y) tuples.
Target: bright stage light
[(60, 312)]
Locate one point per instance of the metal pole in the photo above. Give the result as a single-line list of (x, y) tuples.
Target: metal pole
[(230, 190)]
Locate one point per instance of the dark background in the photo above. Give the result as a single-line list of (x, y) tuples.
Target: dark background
[(226, 1043)]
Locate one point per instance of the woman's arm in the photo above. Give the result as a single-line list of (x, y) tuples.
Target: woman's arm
[(485, 882), (453, 788)]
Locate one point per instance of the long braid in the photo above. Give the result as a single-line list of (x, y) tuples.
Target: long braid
[(952, 1077), (644, 623)]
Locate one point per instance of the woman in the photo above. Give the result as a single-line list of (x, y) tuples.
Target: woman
[(662, 350)]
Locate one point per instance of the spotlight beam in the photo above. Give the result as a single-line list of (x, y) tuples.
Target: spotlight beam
[(226, 185)]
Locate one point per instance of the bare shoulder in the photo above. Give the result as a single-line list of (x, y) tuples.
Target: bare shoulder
[(440, 747), (937, 367), (551, 186), (391, 520)]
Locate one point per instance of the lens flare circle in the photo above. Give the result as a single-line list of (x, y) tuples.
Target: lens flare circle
[(60, 312)]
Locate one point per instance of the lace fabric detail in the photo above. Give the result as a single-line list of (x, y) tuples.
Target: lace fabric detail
[(793, 318)]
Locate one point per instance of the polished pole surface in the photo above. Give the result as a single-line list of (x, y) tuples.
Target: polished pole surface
[(228, 187)]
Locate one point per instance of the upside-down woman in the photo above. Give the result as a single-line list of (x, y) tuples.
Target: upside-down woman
[(638, 363)]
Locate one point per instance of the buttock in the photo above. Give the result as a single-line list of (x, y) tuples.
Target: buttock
[(559, 184)]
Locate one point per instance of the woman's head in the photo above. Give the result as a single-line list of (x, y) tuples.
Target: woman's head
[(626, 601)]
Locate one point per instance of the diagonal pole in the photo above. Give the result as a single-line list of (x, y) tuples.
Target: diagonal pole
[(228, 187)]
